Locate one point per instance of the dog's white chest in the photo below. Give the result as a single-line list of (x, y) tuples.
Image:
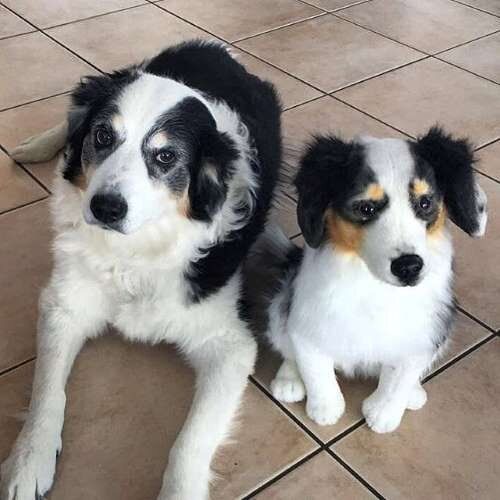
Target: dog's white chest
[(360, 320)]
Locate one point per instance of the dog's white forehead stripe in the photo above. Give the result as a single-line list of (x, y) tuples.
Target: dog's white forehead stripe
[(390, 159), (147, 98)]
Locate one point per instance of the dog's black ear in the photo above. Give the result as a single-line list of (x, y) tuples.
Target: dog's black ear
[(91, 94), (325, 175), (452, 161), (208, 184)]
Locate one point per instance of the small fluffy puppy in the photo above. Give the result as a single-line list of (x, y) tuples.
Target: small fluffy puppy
[(166, 181), (372, 290)]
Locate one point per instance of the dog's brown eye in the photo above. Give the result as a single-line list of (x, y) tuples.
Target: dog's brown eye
[(366, 209), (425, 203), (165, 157), (103, 137)]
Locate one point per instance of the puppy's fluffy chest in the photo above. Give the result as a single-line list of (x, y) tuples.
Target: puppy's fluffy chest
[(360, 320)]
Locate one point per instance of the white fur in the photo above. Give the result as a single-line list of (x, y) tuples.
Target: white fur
[(136, 283), (348, 313)]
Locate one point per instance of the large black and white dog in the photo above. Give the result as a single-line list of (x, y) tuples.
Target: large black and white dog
[(166, 181)]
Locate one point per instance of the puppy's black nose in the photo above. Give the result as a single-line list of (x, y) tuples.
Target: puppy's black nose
[(407, 268), (108, 208)]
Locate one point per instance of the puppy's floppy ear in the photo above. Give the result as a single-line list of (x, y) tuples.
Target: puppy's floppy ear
[(326, 173), (86, 99), (208, 184), (452, 160)]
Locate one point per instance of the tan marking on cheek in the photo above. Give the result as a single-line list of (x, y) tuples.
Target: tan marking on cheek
[(80, 181), (374, 192), (159, 140), (436, 228), (344, 235), (420, 187), (117, 122), (183, 205), (83, 179)]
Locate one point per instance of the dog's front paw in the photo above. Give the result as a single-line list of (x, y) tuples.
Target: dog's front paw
[(382, 414), (288, 388), (325, 410), (417, 398), (28, 472)]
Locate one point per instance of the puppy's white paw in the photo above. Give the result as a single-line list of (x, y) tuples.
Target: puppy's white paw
[(325, 411), (28, 472), (417, 398), (288, 388), (382, 414)]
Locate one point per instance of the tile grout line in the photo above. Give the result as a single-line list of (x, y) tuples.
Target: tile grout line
[(429, 55), (76, 21), (371, 116), (9, 37), (379, 34), (487, 176), (286, 411), (25, 205), (16, 366), (329, 11), (475, 8), (53, 39), (465, 69), (355, 474), (35, 100), (458, 358), (363, 80), (282, 474), (323, 446), (277, 28), (40, 183), (485, 145), (476, 320), (305, 102), (462, 44)]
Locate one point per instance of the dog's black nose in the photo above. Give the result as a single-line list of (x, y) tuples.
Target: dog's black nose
[(407, 268), (108, 208)]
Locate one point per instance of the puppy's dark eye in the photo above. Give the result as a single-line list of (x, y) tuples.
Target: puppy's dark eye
[(366, 209), (165, 157), (103, 137), (425, 203)]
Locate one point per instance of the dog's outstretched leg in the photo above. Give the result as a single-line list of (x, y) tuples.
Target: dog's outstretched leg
[(66, 320), (222, 366), (41, 147)]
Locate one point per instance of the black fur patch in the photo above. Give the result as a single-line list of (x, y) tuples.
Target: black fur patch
[(202, 152), (446, 318), (90, 97), (210, 69), (452, 161), (331, 172), (288, 273)]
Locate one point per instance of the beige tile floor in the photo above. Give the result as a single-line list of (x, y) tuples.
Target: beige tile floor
[(386, 67)]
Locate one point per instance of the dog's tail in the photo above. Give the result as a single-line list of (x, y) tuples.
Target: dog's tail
[(41, 147)]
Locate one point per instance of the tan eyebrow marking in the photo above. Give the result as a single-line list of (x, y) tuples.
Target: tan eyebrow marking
[(374, 192), (420, 187), (159, 140)]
